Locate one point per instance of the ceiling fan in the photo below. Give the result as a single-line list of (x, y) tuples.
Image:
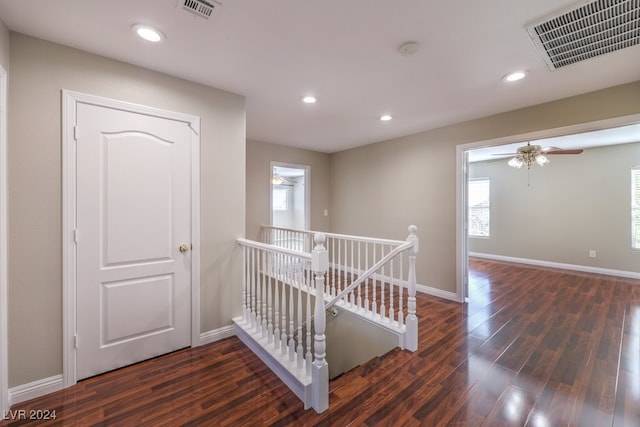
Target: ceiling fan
[(279, 180), (528, 155)]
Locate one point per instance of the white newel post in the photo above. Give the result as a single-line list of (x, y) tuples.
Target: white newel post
[(320, 369), (411, 342)]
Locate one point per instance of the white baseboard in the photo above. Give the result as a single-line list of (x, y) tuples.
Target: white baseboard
[(35, 389), (574, 267), (217, 334), (437, 292)]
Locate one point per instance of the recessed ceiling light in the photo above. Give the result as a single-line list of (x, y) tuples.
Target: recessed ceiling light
[(515, 76), (309, 99), (385, 117), (148, 33)]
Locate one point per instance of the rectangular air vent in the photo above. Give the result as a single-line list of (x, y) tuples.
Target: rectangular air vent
[(584, 32), (198, 7)]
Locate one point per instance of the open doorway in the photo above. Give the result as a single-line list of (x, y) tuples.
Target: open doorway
[(290, 196), (515, 199)]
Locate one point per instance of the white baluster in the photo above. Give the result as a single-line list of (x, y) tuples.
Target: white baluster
[(276, 316), (367, 307), (254, 311), (333, 267), (359, 295), (353, 275), (244, 283), (308, 356), (382, 282), (269, 301), (320, 370), (401, 292), (283, 329), (340, 265), (263, 292), (299, 349), (292, 343), (391, 280), (411, 342), (374, 301)]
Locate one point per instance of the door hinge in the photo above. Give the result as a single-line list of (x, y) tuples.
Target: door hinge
[(75, 133), (76, 235), (75, 342)]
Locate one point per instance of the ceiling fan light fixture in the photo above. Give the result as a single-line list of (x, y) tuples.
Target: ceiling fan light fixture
[(277, 180), (541, 159), (516, 162)]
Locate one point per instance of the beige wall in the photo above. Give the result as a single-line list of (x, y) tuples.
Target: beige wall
[(4, 46), (380, 189), (259, 158), (573, 205), (39, 71)]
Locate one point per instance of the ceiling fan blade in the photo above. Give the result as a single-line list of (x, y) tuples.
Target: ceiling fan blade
[(561, 151), (505, 154)]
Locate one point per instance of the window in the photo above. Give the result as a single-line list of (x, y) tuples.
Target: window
[(280, 200), (479, 207), (635, 207)]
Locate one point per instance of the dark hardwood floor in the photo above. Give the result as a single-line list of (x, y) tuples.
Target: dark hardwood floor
[(534, 346)]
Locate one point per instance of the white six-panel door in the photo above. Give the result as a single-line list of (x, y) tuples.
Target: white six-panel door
[(133, 201)]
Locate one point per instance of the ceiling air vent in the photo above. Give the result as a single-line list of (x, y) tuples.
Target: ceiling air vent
[(198, 7), (587, 31)]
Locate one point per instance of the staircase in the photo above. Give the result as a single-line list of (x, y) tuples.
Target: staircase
[(365, 285)]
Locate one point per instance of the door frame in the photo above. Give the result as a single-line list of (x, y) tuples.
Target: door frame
[(70, 100), (462, 177), (307, 190), (4, 315)]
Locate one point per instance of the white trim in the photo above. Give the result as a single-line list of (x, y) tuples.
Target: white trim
[(35, 389), (70, 99), (217, 334), (4, 317), (307, 190), (573, 267), (461, 174), (462, 259), (194, 122), (451, 296)]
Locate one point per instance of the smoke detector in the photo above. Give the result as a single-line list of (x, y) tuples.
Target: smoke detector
[(586, 31), (408, 48), (199, 8)]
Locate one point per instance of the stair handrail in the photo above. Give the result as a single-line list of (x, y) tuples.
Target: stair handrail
[(363, 239), (272, 248)]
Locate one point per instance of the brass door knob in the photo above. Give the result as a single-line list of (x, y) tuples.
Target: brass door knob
[(183, 248)]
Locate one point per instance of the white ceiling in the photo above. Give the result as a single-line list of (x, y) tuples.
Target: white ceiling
[(345, 52)]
